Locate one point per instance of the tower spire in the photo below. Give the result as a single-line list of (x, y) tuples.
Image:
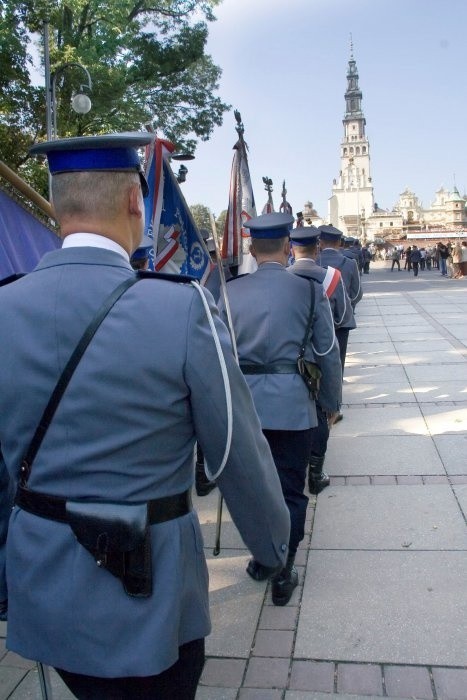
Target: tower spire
[(352, 198)]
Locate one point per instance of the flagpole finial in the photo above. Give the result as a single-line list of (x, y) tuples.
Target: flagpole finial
[(267, 184), (285, 206), (238, 118)]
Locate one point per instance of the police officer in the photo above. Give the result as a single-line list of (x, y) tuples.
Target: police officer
[(330, 254), (271, 310), (348, 249), (121, 439), (140, 257), (305, 246)]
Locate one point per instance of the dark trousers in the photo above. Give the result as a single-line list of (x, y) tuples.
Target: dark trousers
[(415, 268), (395, 262), (320, 434), (342, 335), (179, 682), (291, 450)]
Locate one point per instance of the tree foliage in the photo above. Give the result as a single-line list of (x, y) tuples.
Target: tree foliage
[(201, 216), (147, 62), (220, 222)]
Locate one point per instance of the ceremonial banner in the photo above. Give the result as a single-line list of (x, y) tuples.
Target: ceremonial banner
[(236, 240), (178, 245), (23, 238)]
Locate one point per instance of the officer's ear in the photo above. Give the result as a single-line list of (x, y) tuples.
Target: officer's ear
[(135, 201)]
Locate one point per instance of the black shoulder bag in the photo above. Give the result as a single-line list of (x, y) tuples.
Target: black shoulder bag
[(309, 371)]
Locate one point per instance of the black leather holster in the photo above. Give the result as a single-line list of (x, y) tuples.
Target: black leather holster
[(118, 536), (311, 375)]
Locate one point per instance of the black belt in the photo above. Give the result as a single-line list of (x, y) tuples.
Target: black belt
[(286, 368), (54, 507)]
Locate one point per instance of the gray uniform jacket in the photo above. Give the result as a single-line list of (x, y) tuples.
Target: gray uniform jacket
[(350, 253), (349, 271), (269, 311), (213, 282), (339, 299), (148, 386)]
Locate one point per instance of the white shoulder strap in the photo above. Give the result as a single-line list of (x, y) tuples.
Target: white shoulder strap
[(225, 377)]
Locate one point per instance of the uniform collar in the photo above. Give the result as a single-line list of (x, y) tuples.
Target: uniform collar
[(93, 240)]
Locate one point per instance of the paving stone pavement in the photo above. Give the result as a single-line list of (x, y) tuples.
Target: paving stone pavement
[(381, 609)]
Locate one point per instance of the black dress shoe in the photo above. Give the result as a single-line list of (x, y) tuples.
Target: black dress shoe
[(284, 585), (338, 418), (259, 572), (317, 482), (3, 610)]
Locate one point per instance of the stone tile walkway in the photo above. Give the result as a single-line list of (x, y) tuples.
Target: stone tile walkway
[(381, 609)]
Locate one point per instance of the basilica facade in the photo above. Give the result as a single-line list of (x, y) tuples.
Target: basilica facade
[(352, 207)]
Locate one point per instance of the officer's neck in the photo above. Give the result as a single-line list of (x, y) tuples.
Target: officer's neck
[(115, 230), (277, 258), (305, 255)]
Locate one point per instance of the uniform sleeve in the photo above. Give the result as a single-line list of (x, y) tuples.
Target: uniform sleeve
[(326, 351), (340, 303), (6, 504), (249, 481), (355, 289)]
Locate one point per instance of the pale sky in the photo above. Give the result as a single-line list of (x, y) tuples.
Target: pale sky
[(284, 68)]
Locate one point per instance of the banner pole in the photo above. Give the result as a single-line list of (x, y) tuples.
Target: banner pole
[(44, 681), (220, 502)]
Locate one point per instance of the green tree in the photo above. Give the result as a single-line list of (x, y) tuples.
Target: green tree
[(220, 222), (201, 216), (147, 62)]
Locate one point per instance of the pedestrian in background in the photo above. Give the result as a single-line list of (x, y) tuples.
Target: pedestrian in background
[(415, 258), (396, 256)]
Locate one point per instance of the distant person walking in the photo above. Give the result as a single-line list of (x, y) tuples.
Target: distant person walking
[(415, 258), (443, 255), (457, 260), (408, 262), (396, 256)]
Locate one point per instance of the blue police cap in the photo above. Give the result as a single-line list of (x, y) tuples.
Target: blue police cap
[(142, 251), (330, 233), (304, 235), (107, 152), (274, 225)]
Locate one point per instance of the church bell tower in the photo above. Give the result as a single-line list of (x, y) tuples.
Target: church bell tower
[(352, 200)]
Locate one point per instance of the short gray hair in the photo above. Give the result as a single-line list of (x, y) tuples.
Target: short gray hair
[(268, 246), (90, 193)]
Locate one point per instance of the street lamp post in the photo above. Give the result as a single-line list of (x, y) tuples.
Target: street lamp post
[(80, 102)]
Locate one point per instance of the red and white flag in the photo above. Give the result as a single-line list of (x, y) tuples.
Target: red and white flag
[(178, 245), (236, 240)]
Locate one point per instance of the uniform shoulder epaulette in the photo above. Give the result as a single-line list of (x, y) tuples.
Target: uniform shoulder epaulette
[(310, 276), (12, 278), (232, 279), (150, 275)]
